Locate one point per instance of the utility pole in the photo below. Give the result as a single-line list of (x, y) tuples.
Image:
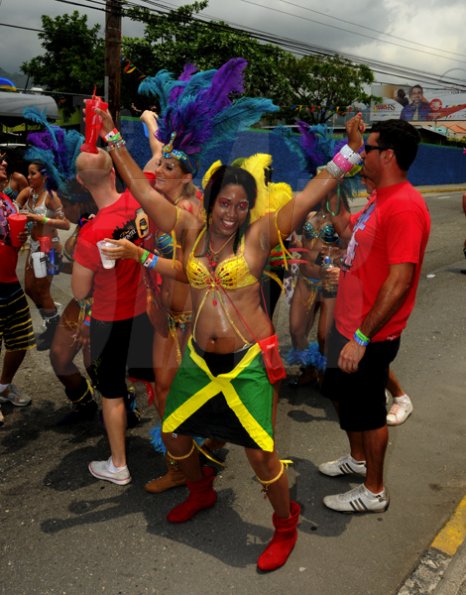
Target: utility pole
[(112, 57)]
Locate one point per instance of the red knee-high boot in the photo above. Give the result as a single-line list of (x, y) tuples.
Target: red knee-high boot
[(283, 540), (201, 495)]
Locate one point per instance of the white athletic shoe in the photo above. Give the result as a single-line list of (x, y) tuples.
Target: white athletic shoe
[(12, 395), (358, 499), (101, 470), (400, 410), (345, 465)]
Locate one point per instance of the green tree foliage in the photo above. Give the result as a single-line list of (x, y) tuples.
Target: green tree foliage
[(74, 57), (74, 62), (175, 39), (320, 84), (325, 85)]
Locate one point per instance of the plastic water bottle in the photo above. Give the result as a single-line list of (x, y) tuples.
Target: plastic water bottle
[(329, 283), (53, 266)]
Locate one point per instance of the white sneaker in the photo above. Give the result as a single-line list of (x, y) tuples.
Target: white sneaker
[(400, 410), (345, 465), (101, 470), (358, 499), (12, 395)]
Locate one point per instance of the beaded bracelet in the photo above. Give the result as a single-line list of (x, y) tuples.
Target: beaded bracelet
[(343, 162), (116, 145), (361, 338), (87, 321)]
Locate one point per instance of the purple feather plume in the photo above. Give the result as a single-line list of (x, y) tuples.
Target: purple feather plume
[(228, 80), (185, 76)]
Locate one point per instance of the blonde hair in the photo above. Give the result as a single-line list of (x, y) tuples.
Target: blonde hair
[(93, 168)]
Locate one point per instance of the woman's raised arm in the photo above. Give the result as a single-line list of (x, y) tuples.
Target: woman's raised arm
[(292, 214), (160, 210)]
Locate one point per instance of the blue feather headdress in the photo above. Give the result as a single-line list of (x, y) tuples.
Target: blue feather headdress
[(314, 147), (199, 110), (55, 148)]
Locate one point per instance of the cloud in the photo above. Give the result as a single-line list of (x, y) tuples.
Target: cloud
[(333, 25)]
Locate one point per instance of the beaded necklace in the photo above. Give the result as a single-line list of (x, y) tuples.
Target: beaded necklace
[(35, 197), (213, 255)]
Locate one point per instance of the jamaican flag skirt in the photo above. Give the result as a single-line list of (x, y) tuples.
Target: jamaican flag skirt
[(224, 396)]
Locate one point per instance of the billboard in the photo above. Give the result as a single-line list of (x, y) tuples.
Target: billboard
[(415, 104)]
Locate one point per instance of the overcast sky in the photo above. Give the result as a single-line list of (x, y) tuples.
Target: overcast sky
[(426, 35)]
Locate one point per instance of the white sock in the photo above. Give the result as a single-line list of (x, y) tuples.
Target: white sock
[(356, 461), (113, 469), (375, 494), (3, 387)]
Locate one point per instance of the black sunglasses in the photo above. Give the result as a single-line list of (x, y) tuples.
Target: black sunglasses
[(369, 148)]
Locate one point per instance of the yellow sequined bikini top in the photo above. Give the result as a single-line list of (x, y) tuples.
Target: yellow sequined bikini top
[(231, 273)]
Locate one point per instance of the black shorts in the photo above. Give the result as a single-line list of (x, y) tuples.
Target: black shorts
[(15, 319), (118, 347), (361, 395)]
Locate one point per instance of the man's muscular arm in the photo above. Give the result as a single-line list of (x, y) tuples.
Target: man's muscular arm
[(388, 301)]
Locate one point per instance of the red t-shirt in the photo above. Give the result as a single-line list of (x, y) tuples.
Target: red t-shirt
[(393, 228), (8, 254), (118, 293)]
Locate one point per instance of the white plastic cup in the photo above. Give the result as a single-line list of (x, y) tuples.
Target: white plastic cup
[(107, 263), (39, 264)]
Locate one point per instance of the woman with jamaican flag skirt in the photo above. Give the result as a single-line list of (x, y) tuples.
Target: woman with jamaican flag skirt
[(223, 387)]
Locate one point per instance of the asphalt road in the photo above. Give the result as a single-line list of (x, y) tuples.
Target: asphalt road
[(62, 531)]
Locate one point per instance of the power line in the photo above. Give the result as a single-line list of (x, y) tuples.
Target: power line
[(303, 48), (83, 5), (418, 43), (300, 48), (345, 30), (292, 45), (21, 27)]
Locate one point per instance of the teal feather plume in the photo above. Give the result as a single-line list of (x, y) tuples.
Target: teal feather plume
[(239, 116)]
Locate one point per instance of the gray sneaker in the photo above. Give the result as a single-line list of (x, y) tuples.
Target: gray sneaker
[(345, 465), (12, 395), (358, 499), (101, 470)]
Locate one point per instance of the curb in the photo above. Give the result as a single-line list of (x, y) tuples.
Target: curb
[(449, 545), (427, 189), (440, 188)]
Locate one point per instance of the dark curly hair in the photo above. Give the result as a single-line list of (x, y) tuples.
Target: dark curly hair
[(402, 137)]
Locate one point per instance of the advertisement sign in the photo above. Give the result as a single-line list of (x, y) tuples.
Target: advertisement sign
[(415, 104)]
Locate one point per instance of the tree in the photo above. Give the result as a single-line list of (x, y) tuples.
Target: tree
[(322, 85), (177, 38), (74, 57), (326, 85), (74, 62)]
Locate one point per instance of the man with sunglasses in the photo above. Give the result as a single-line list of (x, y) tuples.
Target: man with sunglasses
[(376, 293)]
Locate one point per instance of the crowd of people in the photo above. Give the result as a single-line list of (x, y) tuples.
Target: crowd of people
[(168, 288)]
